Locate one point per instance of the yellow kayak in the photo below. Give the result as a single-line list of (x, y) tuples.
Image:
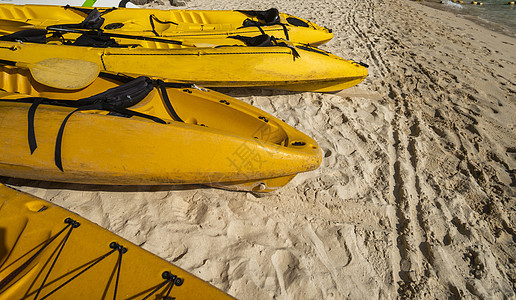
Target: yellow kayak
[(282, 66), (208, 26), (51, 253), (165, 135)]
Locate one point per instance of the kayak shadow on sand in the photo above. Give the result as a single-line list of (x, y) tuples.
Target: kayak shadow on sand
[(354, 91), (250, 91), (51, 185)]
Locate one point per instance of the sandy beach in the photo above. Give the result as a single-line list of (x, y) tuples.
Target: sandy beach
[(416, 195)]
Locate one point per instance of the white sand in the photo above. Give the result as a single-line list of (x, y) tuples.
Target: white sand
[(416, 193)]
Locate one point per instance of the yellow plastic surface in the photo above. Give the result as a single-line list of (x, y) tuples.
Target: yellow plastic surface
[(27, 223), (208, 26), (223, 141)]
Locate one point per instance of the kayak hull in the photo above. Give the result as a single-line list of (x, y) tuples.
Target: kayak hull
[(223, 141), (28, 223), (206, 26), (297, 69)]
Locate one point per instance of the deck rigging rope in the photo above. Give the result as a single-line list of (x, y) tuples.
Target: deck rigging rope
[(116, 248), (74, 224), (71, 224)]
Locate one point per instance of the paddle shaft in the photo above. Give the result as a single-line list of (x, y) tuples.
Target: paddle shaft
[(13, 63), (17, 25), (117, 35)]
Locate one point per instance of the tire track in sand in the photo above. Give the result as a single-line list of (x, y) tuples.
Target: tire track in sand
[(406, 257), (403, 154)]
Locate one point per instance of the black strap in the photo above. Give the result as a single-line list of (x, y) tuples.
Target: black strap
[(153, 18), (251, 23), (115, 100), (256, 41), (295, 54), (126, 95), (179, 85), (312, 49), (59, 139), (120, 97), (260, 28), (95, 106), (30, 116), (285, 31), (120, 77), (265, 40), (152, 26), (166, 100)]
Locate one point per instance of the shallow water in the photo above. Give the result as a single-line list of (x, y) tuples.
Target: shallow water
[(495, 14)]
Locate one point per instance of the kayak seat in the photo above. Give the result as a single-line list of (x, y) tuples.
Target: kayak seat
[(28, 35)]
